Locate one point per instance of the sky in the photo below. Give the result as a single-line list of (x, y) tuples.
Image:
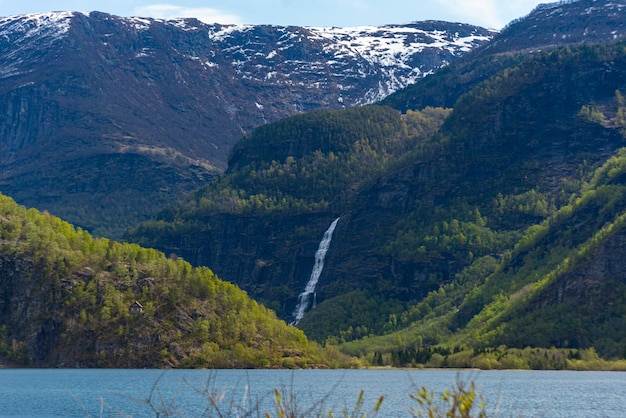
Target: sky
[(492, 14)]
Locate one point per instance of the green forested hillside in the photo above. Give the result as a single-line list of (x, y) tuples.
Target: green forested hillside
[(259, 225), (65, 301), (308, 163), (556, 282), (512, 153), (489, 228), (561, 285)]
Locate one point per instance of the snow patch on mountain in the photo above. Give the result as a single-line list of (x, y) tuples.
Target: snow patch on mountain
[(393, 48), (30, 25), (390, 53), (139, 23), (17, 34), (20, 30), (392, 45), (221, 33)]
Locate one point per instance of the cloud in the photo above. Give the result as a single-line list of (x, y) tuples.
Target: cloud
[(492, 13), (482, 12), (170, 11)]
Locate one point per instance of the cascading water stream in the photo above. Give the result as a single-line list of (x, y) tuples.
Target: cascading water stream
[(320, 254)]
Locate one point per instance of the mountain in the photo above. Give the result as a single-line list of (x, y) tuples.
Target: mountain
[(588, 22), (105, 120), (454, 224), (548, 26)]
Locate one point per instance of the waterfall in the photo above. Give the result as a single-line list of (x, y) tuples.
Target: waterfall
[(320, 254)]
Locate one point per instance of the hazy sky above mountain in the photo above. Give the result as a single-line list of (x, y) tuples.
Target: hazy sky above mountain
[(342, 13)]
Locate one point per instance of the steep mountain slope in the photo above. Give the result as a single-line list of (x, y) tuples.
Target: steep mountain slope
[(548, 26), (511, 153), (260, 224), (104, 120), (67, 300), (588, 22), (513, 150), (561, 285)]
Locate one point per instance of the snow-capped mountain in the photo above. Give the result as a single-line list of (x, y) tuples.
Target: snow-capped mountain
[(394, 55), (86, 97), (548, 26), (388, 57)]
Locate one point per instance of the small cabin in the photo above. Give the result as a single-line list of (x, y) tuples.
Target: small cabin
[(135, 308)]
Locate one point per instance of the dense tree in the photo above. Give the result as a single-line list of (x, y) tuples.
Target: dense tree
[(85, 286), (465, 219)]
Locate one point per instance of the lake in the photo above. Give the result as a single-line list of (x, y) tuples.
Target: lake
[(144, 393)]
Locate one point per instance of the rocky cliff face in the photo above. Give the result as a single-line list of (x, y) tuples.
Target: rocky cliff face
[(28, 303), (590, 284), (86, 97)]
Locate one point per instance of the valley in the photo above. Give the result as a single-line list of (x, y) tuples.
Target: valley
[(472, 218)]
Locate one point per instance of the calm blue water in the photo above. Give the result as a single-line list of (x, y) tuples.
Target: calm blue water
[(144, 393)]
